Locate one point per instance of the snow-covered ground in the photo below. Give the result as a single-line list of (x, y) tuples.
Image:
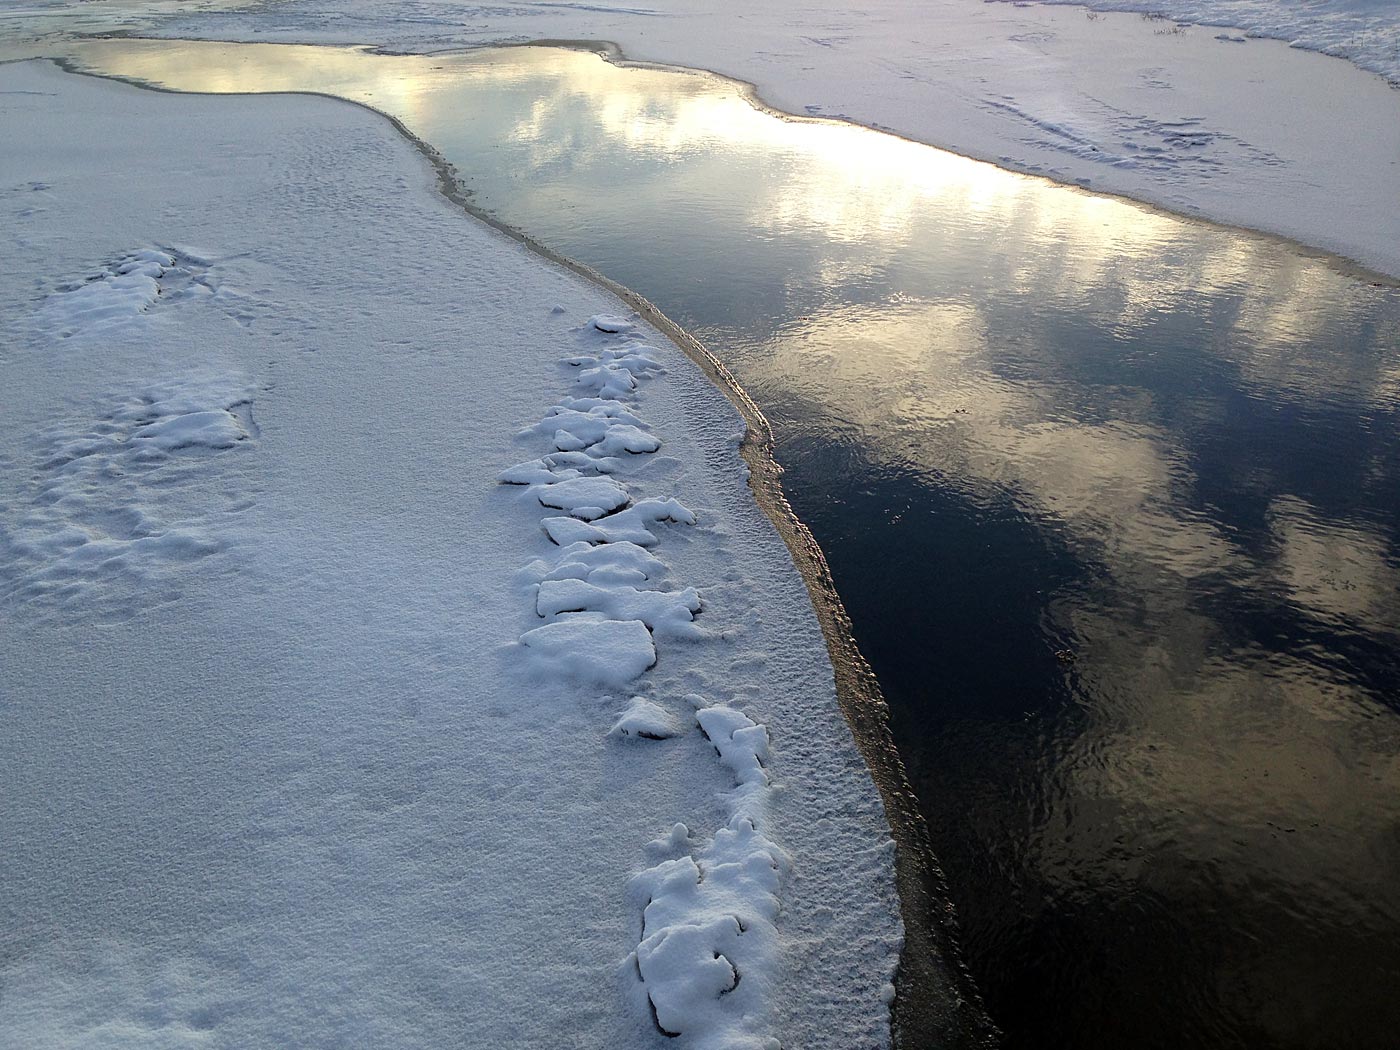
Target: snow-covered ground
[(1248, 132), (393, 654), (1366, 32)]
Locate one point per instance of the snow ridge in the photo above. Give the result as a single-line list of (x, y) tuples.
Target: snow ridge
[(707, 953)]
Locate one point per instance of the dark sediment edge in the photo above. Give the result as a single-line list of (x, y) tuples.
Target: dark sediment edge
[(936, 1000)]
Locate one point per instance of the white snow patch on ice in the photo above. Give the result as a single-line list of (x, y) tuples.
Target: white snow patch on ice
[(606, 563), (114, 295), (644, 720), (742, 744), (669, 614), (607, 653), (585, 498), (632, 525), (611, 323), (709, 943)]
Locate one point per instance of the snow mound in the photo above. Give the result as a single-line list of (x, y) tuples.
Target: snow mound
[(614, 373), (632, 525), (596, 652), (741, 743), (666, 613), (97, 534), (644, 720), (611, 323), (557, 466), (707, 956), (114, 295), (215, 428), (585, 498), (602, 427), (606, 563), (708, 941)]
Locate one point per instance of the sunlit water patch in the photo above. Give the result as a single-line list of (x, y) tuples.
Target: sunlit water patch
[(1113, 500)]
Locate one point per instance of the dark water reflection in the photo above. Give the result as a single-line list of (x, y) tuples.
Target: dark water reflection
[(1022, 421)]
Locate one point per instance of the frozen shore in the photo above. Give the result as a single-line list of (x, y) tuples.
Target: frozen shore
[(395, 654), (1243, 131)]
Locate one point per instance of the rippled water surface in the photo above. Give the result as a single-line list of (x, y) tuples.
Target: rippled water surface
[(1113, 500)]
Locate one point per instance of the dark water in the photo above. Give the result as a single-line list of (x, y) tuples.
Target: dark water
[(1113, 500)]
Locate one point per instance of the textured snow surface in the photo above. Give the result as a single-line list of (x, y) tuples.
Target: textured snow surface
[(1253, 133), (313, 736), (1365, 31)]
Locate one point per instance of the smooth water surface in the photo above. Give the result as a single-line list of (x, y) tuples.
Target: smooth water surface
[(1113, 500)]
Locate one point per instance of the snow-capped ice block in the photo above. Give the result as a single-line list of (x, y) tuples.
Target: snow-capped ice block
[(667, 613), (611, 323), (604, 429), (708, 946), (585, 498), (119, 294), (630, 525), (599, 652), (742, 744), (644, 720), (602, 564), (218, 428), (536, 472), (558, 466)]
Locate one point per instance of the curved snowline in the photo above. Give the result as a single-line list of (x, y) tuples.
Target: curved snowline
[(934, 990)]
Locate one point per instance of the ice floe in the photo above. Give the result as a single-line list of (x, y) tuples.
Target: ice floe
[(632, 525), (664, 612), (585, 498), (644, 720), (597, 652), (708, 940)]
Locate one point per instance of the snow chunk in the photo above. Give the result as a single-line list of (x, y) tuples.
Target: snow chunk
[(585, 498), (607, 563), (742, 744), (630, 525), (611, 323), (557, 466), (603, 429), (210, 429), (597, 652), (668, 614), (709, 948), (118, 294), (614, 373), (646, 721)]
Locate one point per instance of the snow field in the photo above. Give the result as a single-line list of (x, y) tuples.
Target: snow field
[(305, 789), (707, 951)]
